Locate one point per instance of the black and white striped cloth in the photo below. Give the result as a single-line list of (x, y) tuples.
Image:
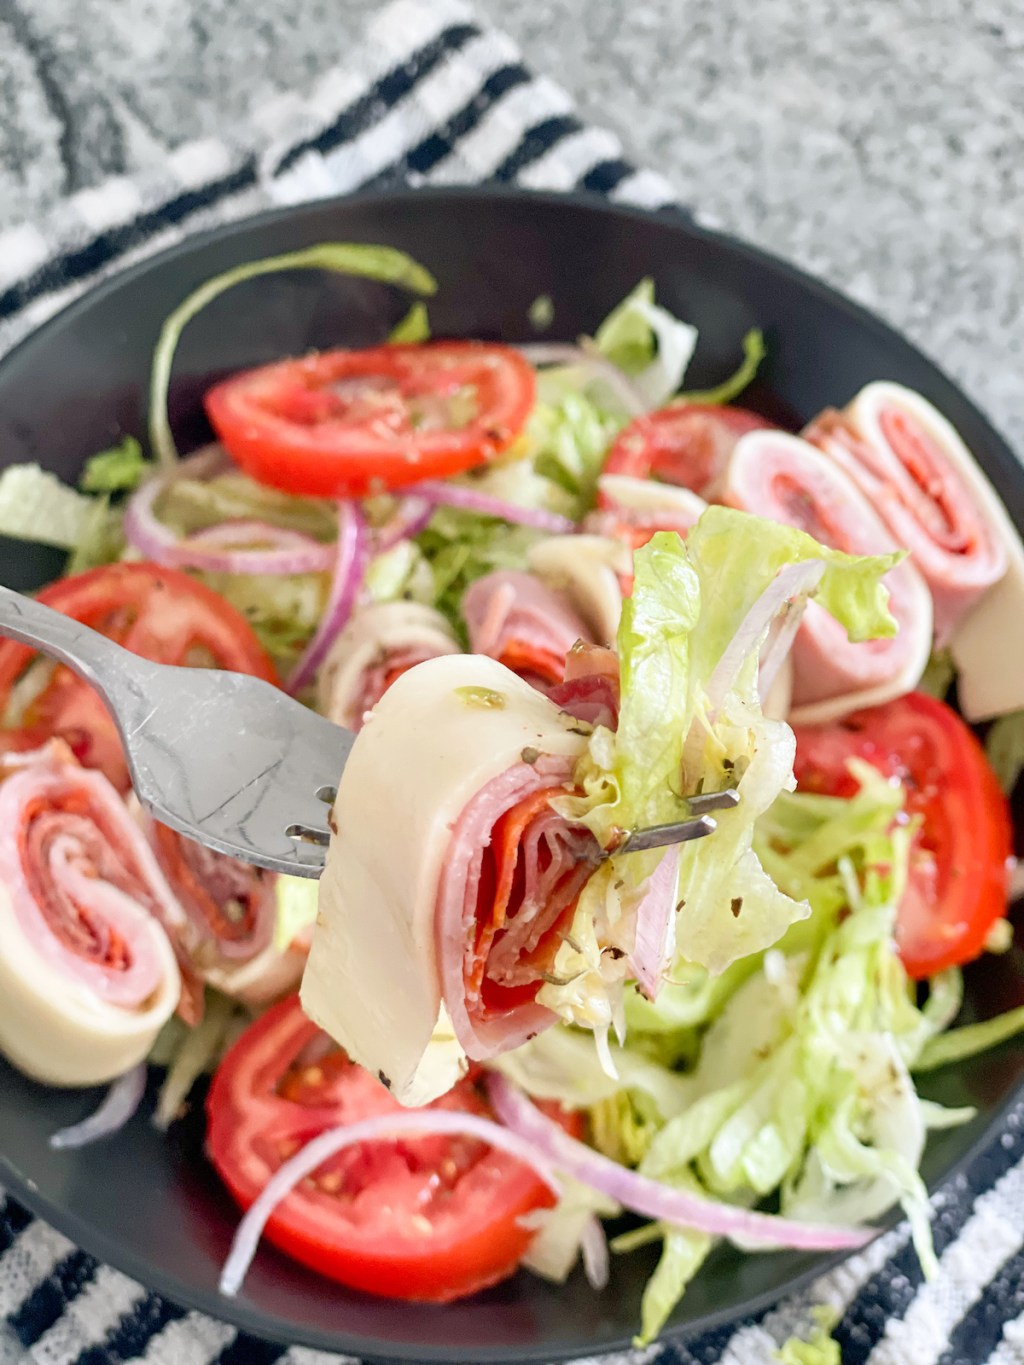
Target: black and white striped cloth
[(431, 96)]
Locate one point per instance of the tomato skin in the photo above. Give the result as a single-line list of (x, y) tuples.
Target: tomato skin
[(686, 444), (957, 887), (264, 1102), (343, 423), (161, 614)]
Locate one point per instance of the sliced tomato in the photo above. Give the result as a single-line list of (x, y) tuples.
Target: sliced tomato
[(159, 613), (429, 1218), (686, 444), (351, 423), (957, 884)]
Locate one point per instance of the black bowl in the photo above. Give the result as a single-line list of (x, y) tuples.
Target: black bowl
[(150, 1204)]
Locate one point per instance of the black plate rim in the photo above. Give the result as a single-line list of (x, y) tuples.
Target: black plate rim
[(235, 1312)]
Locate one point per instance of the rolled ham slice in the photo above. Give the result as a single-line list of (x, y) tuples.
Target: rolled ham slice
[(225, 937), (588, 571), (923, 482), (380, 642), (87, 974), (786, 479), (517, 619), (449, 875)]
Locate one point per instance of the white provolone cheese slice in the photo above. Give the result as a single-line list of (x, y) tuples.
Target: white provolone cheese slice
[(375, 632), (988, 645), (61, 1032), (586, 569), (425, 751)]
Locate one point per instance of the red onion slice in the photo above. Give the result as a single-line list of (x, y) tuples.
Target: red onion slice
[(594, 1250), (213, 549), (328, 1144), (650, 1197), (117, 1107), (787, 592), (408, 520), (470, 500), (653, 919), (544, 353), (352, 552)]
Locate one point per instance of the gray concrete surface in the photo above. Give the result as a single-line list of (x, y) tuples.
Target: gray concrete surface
[(880, 143)]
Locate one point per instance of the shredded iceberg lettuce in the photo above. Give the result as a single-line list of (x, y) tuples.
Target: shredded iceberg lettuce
[(461, 546), (938, 677), (297, 899), (414, 327), (753, 354), (969, 1040), (790, 1074), (35, 505), (191, 504), (283, 609), (117, 470), (567, 438), (683, 1253), (820, 1348), (541, 312), (1004, 747), (648, 344), (383, 263)]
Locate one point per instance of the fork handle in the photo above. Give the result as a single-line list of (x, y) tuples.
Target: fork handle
[(91, 655)]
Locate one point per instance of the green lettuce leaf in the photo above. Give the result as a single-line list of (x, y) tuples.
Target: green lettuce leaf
[(541, 312), (283, 609), (647, 343), (753, 354), (555, 1248), (567, 438), (684, 727), (36, 506), (296, 909), (383, 263), (459, 547), (117, 470), (820, 1348), (797, 1058), (189, 1053), (683, 1253), (188, 505), (414, 327), (938, 677), (1004, 746), (563, 1064), (969, 1040), (401, 573)]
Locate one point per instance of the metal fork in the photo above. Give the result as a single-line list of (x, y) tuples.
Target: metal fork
[(229, 760)]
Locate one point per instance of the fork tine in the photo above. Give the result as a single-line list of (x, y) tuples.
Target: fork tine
[(704, 802), (661, 836), (308, 834)]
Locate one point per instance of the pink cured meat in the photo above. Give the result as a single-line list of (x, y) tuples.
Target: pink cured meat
[(513, 617), (590, 689), (555, 859), (378, 678), (912, 466), (788, 480), (84, 886), (230, 906)]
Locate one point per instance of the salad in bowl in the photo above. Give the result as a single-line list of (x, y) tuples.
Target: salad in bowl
[(560, 598)]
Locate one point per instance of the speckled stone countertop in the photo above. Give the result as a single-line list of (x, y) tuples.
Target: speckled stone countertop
[(880, 145)]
